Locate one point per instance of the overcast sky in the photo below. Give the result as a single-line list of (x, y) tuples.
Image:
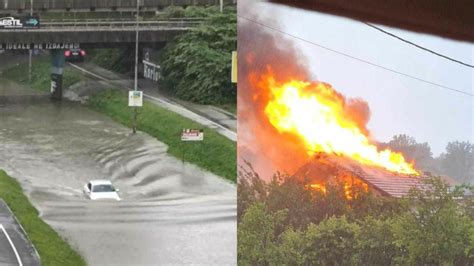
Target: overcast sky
[(398, 104)]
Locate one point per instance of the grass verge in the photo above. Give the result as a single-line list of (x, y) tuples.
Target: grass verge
[(40, 75), (52, 248), (216, 153)]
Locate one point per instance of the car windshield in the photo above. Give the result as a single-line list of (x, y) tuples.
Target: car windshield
[(103, 188)]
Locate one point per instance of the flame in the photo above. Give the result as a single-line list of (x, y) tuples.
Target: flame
[(316, 113), (352, 186), (318, 187)]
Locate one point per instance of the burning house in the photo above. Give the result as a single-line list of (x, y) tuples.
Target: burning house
[(296, 125), (330, 132), (326, 168)]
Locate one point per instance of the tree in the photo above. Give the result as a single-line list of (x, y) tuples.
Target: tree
[(331, 242), (413, 151), (288, 193), (458, 161), (436, 229), (250, 189), (196, 66), (290, 250), (375, 244), (256, 234)]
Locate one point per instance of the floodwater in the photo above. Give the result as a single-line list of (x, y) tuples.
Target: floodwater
[(170, 213)]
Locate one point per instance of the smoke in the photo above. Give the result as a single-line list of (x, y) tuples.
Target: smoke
[(261, 50)]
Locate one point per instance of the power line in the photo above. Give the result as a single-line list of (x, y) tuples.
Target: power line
[(356, 58), (418, 46)]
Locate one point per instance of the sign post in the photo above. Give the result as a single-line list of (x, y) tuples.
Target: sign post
[(135, 99), (191, 135)]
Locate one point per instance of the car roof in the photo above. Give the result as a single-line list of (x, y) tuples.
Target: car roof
[(100, 182)]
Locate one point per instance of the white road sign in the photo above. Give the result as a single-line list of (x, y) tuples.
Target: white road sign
[(135, 98)]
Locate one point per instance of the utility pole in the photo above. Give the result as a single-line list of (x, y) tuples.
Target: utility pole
[(30, 51), (135, 110), (222, 5)]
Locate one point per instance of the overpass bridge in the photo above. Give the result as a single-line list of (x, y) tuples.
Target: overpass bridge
[(96, 33), (99, 5), (58, 36)]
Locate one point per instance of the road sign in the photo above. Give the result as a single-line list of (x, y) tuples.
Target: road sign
[(234, 67), (192, 135), (135, 98), (10, 23), (151, 70), (19, 23)]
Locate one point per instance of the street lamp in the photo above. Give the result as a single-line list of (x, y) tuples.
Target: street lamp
[(135, 85), (30, 51)]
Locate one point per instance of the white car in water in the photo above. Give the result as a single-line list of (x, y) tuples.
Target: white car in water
[(100, 189)]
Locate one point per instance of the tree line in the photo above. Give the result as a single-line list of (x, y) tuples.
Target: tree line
[(283, 222), (456, 162)]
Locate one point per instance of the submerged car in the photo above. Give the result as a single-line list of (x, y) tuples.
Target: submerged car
[(101, 189)]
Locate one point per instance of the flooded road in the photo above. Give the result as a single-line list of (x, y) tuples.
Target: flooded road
[(170, 213)]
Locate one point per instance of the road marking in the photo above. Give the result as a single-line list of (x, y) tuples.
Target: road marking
[(228, 133), (11, 244)]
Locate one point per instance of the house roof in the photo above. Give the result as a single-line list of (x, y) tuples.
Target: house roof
[(324, 167)]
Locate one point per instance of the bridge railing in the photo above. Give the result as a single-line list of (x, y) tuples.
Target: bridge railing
[(102, 24), (120, 24), (118, 19)]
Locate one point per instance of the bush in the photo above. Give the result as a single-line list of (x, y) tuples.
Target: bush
[(436, 229), (331, 242), (433, 226), (196, 66), (256, 234), (376, 243)]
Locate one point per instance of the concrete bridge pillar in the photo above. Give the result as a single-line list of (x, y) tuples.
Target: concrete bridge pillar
[(57, 70)]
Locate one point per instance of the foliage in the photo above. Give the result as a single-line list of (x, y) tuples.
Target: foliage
[(375, 244), (53, 250), (216, 153), (436, 229), (287, 193), (332, 242), (458, 161), (433, 226), (291, 248), (40, 75), (306, 205), (115, 59), (251, 189), (420, 153), (256, 235), (196, 66)]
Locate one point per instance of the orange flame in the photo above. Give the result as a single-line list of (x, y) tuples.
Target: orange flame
[(315, 112)]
